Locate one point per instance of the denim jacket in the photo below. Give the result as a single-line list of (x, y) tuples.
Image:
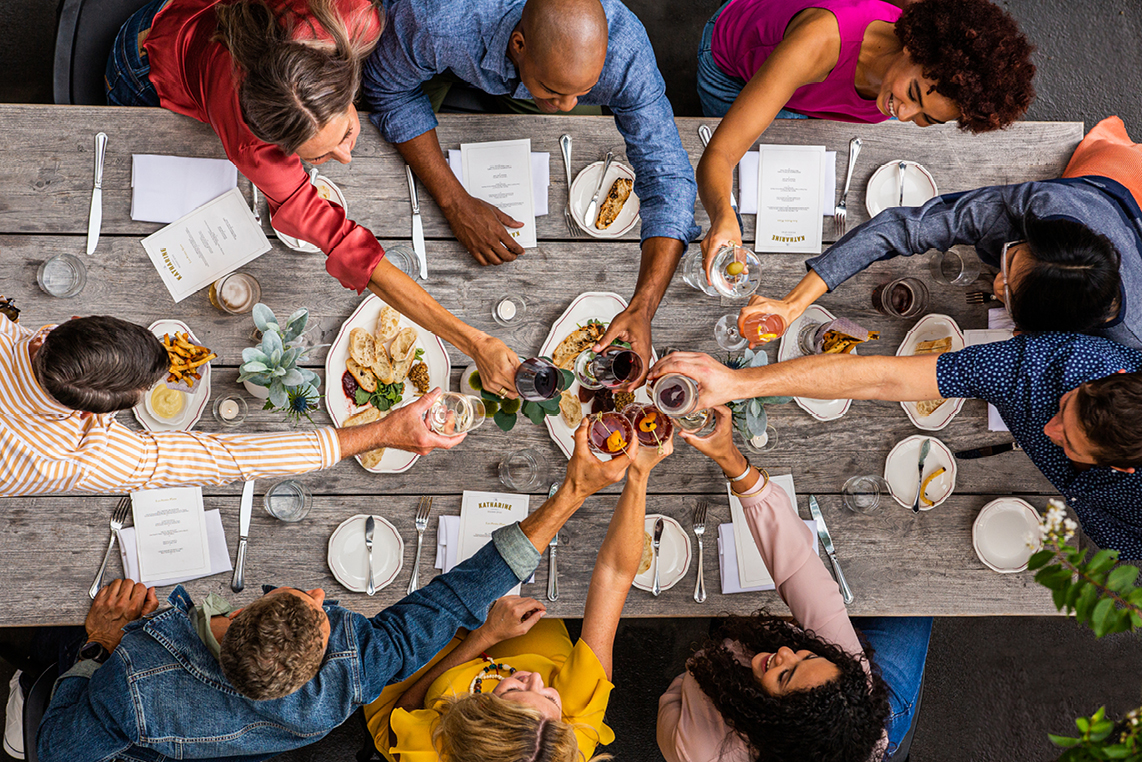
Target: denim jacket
[(990, 217), (162, 695)]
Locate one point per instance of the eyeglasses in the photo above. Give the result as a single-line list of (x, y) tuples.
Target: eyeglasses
[(1003, 257)]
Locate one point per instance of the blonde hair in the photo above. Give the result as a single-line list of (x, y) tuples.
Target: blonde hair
[(485, 727), (292, 88)]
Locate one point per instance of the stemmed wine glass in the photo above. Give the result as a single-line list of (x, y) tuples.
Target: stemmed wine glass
[(466, 411), (538, 380), (677, 396), (614, 366), (727, 335)]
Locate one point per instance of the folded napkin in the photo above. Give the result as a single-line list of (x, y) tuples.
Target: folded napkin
[(166, 188), (540, 176), (747, 182), (215, 541), (728, 560), (448, 544), (1000, 327)]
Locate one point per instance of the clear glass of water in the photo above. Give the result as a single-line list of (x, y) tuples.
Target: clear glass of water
[(867, 494), (467, 412), (958, 266), (402, 257), (522, 470), (63, 276), (288, 501)]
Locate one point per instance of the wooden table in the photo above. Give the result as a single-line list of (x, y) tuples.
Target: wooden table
[(897, 564)]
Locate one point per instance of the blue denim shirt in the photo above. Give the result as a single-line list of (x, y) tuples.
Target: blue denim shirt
[(162, 695), (990, 217), (423, 38), (1025, 377)]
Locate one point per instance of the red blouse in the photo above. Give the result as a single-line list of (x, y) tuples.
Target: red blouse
[(194, 76)]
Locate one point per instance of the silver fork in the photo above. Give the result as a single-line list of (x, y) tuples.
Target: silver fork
[(572, 228), (980, 297), (118, 516), (841, 212), (423, 508), (699, 530)]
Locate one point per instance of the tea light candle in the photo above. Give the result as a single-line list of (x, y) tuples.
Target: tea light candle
[(228, 410), (760, 441), (506, 309)]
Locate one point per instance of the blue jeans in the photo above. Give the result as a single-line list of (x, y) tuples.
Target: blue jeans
[(901, 648), (716, 89), (126, 79)]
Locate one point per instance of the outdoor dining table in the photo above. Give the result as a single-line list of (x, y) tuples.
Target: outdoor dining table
[(897, 563)]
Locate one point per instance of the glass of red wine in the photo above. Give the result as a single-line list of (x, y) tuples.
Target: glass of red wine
[(538, 380), (613, 367), (902, 298), (610, 433)]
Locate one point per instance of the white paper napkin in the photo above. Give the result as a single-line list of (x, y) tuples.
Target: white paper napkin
[(1000, 327), (448, 544), (728, 560), (540, 176), (215, 542), (751, 567), (165, 188), (747, 190)]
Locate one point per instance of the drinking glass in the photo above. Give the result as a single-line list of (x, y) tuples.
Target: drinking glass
[(700, 423), (538, 380), (63, 276), (675, 394), (727, 335), (767, 442), (902, 298), (866, 494), (509, 310), (235, 293), (230, 412), (402, 257), (467, 412), (603, 427), (958, 266), (735, 272), (762, 328), (288, 501), (610, 369), (521, 470), (651, 425), (694, 272)]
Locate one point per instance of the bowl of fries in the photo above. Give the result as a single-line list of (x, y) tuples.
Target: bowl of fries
[(187, 360)]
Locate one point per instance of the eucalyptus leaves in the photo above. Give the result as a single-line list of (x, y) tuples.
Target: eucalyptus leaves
[(273, 364), (749, 415)]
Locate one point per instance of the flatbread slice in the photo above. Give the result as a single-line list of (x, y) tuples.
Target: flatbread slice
[(371, 458), (382, 367), (570, 409), (364, 376), (403, 351), (934, 347), (573, 345), (388, 325), (362, 347), (927, 407)]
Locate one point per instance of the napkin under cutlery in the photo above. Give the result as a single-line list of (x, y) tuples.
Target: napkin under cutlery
[(166, 188), (728, 560)]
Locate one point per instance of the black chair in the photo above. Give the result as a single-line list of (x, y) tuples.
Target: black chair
[(86, 32), (35, 704)]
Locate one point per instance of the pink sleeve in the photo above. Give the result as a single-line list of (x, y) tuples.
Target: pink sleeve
[(806, 586), (690, 728)]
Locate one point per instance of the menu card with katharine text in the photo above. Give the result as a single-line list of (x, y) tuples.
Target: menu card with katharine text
[(482, 513), (789, 199), (199, 248), (170, 533), (500, 173)]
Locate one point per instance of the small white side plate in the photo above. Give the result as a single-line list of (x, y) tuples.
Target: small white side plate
[(929, 328), (1000, 533), (900, 471), (583, 186), (347, 555), (673, 554), (305, 247), (789, 349), (883, 191), (196, 399)]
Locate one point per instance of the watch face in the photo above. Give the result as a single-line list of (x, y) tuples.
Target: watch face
[(94, 652)]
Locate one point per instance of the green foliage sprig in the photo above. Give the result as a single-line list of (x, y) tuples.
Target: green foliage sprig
[(1103, 739), (749, 416), (505, 412)]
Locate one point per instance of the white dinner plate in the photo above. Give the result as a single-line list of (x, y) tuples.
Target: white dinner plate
[(883, 190), (673, 554), (901, 473), (347, 554), (590, 305), (789, 349), (930, 328), (195, 400), (305, 247), (1000, 534), (583, 187), (341, 407)]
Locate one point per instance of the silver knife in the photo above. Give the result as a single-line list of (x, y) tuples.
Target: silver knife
[(659, 525), (247, 506), (924, 448), (593, 207), (370, 525), (827, 541), (552, 569), (984, 452), (417, 224), (705, 134), (95, 217)]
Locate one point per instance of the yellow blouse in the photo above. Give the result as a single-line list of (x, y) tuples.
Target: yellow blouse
[(574, 671)]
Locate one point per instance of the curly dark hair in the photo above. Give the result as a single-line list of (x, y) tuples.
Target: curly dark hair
[(977, 56), (840, 721)]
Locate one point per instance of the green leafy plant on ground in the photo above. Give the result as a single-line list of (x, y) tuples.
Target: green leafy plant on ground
[(1100, 593)]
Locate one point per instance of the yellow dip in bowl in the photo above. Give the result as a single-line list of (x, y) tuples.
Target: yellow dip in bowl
[(166, 403)]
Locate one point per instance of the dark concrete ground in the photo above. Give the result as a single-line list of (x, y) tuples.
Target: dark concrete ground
[(995, 686)]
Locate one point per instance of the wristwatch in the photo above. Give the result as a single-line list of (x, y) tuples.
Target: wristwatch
[(95, 652)]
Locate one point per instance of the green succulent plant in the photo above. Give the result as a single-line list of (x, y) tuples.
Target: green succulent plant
[(273, 364)]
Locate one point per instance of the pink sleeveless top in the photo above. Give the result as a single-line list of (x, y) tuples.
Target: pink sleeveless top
[(748, 31)]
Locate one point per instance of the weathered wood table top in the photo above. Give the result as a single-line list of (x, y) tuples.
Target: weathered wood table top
[(897, 564)]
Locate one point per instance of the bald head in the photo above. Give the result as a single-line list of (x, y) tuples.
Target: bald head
[(560, 46)]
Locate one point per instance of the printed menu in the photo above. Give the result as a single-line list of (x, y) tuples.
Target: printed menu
[(482, 513), (199, 248), (499, 172), (170, 533), (789, 199)]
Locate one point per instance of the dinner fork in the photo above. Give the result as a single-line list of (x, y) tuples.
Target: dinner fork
[(841, 212), (699, 530), (572, 228), (980, 297), (423, 508), (118, 516)]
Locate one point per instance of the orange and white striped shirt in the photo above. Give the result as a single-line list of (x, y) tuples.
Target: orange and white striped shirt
[(47, 448)]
